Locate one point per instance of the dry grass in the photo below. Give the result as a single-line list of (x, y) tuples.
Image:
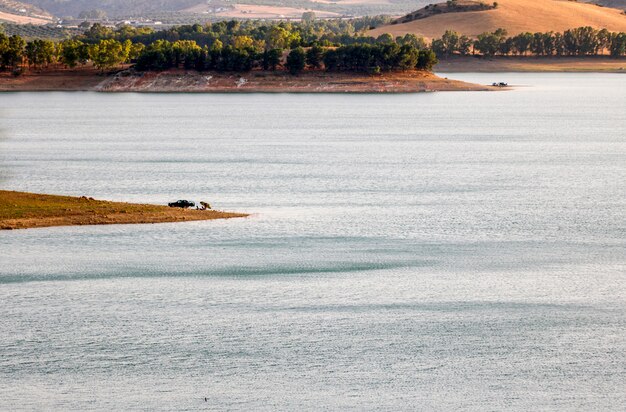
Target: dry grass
[(19, 210), (516, 16), (20, 19)]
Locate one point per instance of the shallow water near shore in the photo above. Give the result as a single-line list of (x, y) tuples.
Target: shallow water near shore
[(415, 251)]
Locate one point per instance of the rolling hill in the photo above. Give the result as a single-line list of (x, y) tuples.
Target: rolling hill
[(616, 4), (137, 8), (13, 11), (516, 16), (112, 7)]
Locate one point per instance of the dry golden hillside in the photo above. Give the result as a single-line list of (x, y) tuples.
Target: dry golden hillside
[(516, 16), (14, 11)]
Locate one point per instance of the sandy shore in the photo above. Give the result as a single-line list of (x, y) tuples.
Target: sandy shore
[(19, 210), (251, 82), (470, 64)]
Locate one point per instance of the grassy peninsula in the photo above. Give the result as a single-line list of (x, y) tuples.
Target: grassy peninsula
[(20, 210)]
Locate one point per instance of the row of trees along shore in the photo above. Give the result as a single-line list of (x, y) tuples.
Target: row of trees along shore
[(582, 41), (334, 45)]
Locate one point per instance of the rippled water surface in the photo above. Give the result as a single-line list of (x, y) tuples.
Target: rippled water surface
[(433, 251)]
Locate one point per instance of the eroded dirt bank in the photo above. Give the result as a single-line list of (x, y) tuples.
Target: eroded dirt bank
[(256, 81)]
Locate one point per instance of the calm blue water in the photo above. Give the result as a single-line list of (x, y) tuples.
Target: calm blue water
[(433, 252)]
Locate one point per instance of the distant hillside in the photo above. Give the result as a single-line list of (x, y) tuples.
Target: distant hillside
[(22, 13), (113, 7), (617, 4), (516, 16), (138, 8)]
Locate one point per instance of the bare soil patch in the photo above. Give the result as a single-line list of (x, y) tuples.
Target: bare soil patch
[(52, 79), (282, 82), (251, 82)]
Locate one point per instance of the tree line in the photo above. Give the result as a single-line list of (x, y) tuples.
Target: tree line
[(245, 56), (582, 41), (334, 45), (225, 46), (39, 53)]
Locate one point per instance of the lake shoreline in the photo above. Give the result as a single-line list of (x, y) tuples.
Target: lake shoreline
[(21, 210), (184, 81), (528, 64), (311, 81)]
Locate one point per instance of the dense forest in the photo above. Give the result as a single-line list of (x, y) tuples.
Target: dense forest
[(227, 46), (333, 45)]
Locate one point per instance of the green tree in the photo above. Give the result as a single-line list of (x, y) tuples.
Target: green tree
[(522, 42), (536, 46), (107, 54), (296, 60), (271, 59), (603, 40), (4, 47), (186, 52), (465, 45), (315, 57), (72, 53), (243, 42), (412, 40), (135, 51), (277, 38), (331, 60), (40, 52), (581, 41), (450, 42), (427, 59), (385, 38), (158, 56), (549, 43), (559, 46), (308, 17), (11, 51), (618, 44), (501, 37), (408, 56), (490, 43), (437, 47)]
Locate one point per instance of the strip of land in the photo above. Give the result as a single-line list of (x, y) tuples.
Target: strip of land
[(503, 64), (171, 81), (20, 210), (282, 82)]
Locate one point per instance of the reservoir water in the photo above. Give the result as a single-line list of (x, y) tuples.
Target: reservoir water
[(434, 251)]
